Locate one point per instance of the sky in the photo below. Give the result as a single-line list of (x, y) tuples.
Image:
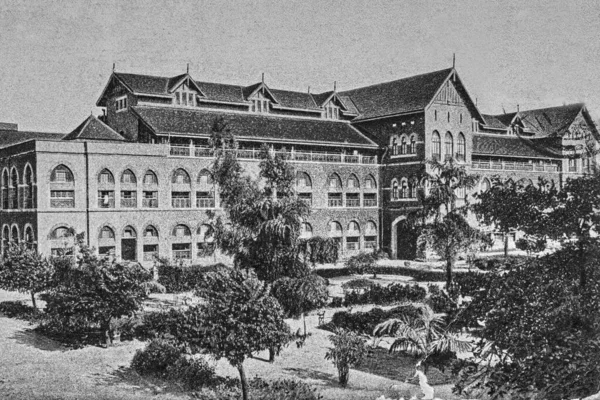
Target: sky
[(57, 56)]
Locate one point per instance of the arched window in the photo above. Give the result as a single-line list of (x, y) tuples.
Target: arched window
[(413, 144), (404, 190), (205, 245), (150, 178), (436, 150), (353, 228), (371, 235), (395, 190), (205, 197), (353, 236), (182, 249), (14, 236), (306, 230), (449, 146), (353, 182), (181, 230), (403, 148), (394, 146), (335, 229), (61, 174), (335, 182), (28, 237), (150, 243), (129, 233), (5, 238), (28, 189), (106, 241), (150, 231), (413, 184), (106, 233), (180, 176), (334, 197), (5, 189), (128, 177), (129, 244), (13, 192), (205, 178), (485, 185), (106, 177), (462, 147), (303, 180)]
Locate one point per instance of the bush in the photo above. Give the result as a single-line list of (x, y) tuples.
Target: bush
[(19, 310), (179, 278), (383, 295), (300, 295), (157, 324), (362, 263), (498, 263), (155, 358), (439, 301), (348, 351), (192, 371), (417, 274), (260, 389), (360, 283), (365, 322), (531, 244), (336, 302)]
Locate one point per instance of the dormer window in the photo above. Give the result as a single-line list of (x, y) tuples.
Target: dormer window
[(260, 103), (184, 96), (121, 103), (332, 111)]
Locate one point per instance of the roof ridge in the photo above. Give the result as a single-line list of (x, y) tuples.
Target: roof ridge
[(396, 80), (579, 104)]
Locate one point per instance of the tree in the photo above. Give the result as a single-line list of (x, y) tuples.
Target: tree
[(422, 335), (239, 318), (348, 351), (95, 291), (446, 179), (509, 206), (23, 269)]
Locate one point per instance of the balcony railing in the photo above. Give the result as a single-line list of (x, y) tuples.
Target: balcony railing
[(254, 154), (62, 203), (150, 203), (149, 256), (334, 202), (205, 203), (352, 202), (182, 254), (181, 203), (514, 166), (106, 203), (370, 202), (128, 203)]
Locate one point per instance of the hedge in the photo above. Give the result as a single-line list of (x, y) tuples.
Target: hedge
[(177, 279), (417, 275), (365, 322), (382, 295)]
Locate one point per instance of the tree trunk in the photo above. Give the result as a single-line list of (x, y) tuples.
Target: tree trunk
[(449, 267), (33, 300), (272, 352), (505, 245), (304, 321), (243, 380), (105, 327), (582, 274)]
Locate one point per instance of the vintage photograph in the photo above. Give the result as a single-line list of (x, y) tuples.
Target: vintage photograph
[(299, 200)]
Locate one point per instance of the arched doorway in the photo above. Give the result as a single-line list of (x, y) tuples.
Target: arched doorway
[(404, 239), (129, 244)]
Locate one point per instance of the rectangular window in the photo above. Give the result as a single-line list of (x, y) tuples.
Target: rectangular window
[(182, 251), (370, 242), (61, 176), (128, 199), (121, 103), (572, 165), (306, 197), (106, 199), (180, 200), (150, 252), (62, 199), (334, 199), (353, 243), (205, 199), (352, 199), (150, 199), (106, 250), (105, 178), (370, 200)]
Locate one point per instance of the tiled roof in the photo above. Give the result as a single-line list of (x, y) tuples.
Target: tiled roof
[(221, 92), (320, 98), (165, 120), (399, 96), (511, 146), (493, 122), (287, 98), (93, 129), (145, 83), (10, 137)]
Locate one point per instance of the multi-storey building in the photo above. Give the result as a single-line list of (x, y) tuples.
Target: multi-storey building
[(137, 180)]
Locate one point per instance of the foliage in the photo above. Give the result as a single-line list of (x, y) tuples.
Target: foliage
[(541, 329), (91, 292), (418, 275), (348, 350), (383, 295), (423, 336), (156, 357), (192, 372), (440, 301), (531, 244), (179, 278), (159, 324), (24, 270), (499, 263), (362, 263), (360, 283), (18, 310), (298, 296), (280, 389), (364, 322)]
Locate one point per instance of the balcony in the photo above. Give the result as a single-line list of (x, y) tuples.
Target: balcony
[(514, 166), (369, 202), (150, 203), (254, 154), (181, 203), (128, 203), (182, 254), (352, 202), (205, 203), (106, 203), (61, 203)]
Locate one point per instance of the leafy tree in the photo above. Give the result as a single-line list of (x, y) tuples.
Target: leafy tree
[(94, 291), (541, 328), (23, 269), (348, 351), (239, 318), (422, 335), (445, 180)]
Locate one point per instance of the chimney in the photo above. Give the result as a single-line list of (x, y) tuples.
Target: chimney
[(7, 126)]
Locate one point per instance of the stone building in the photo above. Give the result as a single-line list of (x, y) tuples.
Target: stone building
[(136, 180)]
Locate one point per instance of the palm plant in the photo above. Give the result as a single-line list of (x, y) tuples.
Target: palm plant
[(423, 335), (445, 179)]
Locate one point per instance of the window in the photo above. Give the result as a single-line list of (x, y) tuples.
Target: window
[(306, 230), (485, 185), (352, 199), (106, 199), (121, 103), (28, 189), (395, 190), (448, 116), (303, 180), (334, 199), (352, 182), (572, 165), (205, 245), (106, 177), (150, 199), (461, 118), (150, 178), (370, 183), (205, 179), (205, 199), (332, 111), (128, 177), (181, 231), (180, 200), (404, 189), (335, 229), (184, 96), (413, 144), (150, 252), (128, 199), (461, 193), (335, 182), (371, 235), (106, 233), (403, 147), (435, 115), (370, 200), (353, 228), (436, 151), (182, 251), (462, 147), (129, 233), (28, 237), (61, 174), (5, 189), (449, 146), (353, 243), (62, 241), (306, 197), (180, 177), (62, 198), (394, 146), (150, 232), (260, 104)]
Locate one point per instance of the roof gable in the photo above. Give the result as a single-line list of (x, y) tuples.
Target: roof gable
[(184, 79), (259, 89), (93, 129)]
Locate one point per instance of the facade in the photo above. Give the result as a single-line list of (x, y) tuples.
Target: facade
[(137, 181)]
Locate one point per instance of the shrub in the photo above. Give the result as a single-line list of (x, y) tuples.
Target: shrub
[(157, 324), (348, 351), (439, 301), (531, 244), (382, 295), (260, 389), (300, 295), (19, 310), (362, 263), (417, 274), (365, 322), (360, 283), (156, 357), (179, 278), (192, 371), (336, 302)]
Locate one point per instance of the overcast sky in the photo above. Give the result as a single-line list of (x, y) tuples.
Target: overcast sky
[(56, 56)]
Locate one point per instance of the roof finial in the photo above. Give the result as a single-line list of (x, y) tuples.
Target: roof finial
[(475, 101), (308, 89), (114, 66), (453, 60), (334, 86), (517, 107), (263, 77), (503, 110), (188, 68)]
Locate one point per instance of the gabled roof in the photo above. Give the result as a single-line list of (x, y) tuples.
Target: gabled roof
[(551, 121), (396, 97), (298, 100), (514, 146), (11, 137), (323, 98), (249, 91), (164, 121), (93, 129), (222, 92)]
